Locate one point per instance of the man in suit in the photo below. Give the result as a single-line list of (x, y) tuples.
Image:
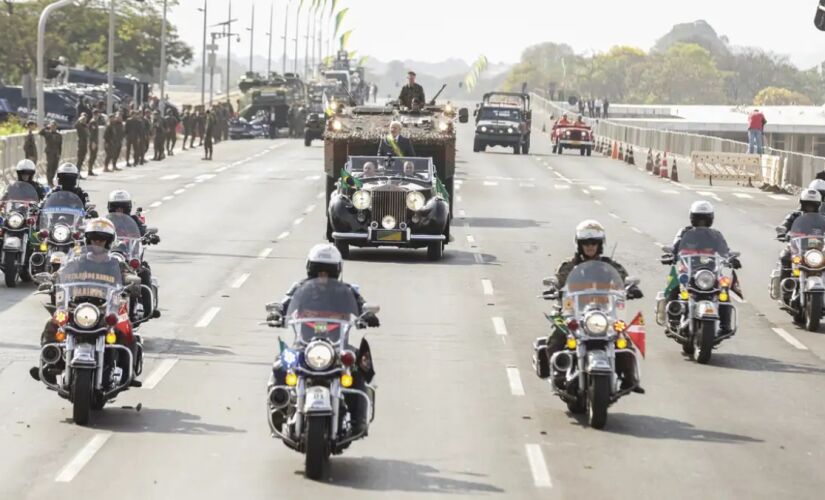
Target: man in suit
[(396, 144)]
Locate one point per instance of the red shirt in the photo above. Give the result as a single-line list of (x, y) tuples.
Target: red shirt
[(757, 120)]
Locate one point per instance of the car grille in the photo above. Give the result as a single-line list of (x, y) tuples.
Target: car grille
[(577, 135), (389, 203)]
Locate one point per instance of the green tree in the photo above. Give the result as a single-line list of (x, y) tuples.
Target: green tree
[(776, 96), (612, 74), (684, 74), (542, 64)]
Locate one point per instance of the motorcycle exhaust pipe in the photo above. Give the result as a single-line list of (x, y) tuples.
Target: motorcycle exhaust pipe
[(38, 259), (50, 354), (562, 362), (788, 285), (278, 398), (675, 308)]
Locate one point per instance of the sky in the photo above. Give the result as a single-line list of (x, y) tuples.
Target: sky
[(435, 30)]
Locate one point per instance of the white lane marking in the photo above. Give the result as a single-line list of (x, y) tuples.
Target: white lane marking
[(585, 191), (207, 317), (526, 185), (500, 327), (779, 197), (71, 469), (538, 466), (562, 177), (470, 239), (743, 196), (283, 235), (516, 387), (179, 191), (313, 177), (636, 229), (221, 169), (490, 183), (459, 182), (561, 186), (458, 199), (487, 287), (320, 195), (614, 215), (188, 186), (204, 177), (298, 220), (598, 188), (670, 191), (167, 198), (462, 213), (597, 202), (310, 208), (241, 280), (169, 177), (709, 195), (657, 244), (479, 259), (161, 371), (457, 188), (156, 204), (264, 253), (787, 337)]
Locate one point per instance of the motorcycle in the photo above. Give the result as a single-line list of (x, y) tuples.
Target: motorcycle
[(129, 247), (598, 353), (318, 385), (18, 212), (89, 360), (703, 306), (59, 229), (802, 289)]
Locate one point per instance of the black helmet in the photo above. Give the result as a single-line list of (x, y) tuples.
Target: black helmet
[(67, 176), (120, 199), (701, 214)]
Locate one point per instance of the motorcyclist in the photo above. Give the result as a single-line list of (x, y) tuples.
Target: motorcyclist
[(120, 202), (324, 261), (590, 240), (98, 233), (809, 203), (819, 185), (67, 176), (701, 216), (26, 171)]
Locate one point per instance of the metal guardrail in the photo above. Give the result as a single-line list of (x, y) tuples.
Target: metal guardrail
[(798, 168), (11, 152)]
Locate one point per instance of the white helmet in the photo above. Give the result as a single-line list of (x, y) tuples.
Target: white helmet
[(68, 168), (701, 211), (810, 198), (326, 258), (120, 198), (26, 166), (819, 185), (67, 175), (590, 230)]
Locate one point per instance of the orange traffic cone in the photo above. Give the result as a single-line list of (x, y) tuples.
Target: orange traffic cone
[(615, 151)]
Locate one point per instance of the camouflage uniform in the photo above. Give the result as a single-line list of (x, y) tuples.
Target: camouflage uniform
[(54, 148), (410, 92), (30, 147), (82, 142), (94, 139)]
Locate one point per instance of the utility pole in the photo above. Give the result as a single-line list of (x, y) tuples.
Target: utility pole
[(110, 71), (41, 64), (286, 36), (162, 105), (297, 30), (203, 63), (306, 46), (251, 30), (269, 58), (229, 49), (225, 32)]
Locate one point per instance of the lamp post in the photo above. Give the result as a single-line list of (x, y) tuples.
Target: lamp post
[(41, 65), (203, 63), (286, 37), (269, 57), (110, 71), (297, 30), (251, 30), (162, 105), (226, 32)]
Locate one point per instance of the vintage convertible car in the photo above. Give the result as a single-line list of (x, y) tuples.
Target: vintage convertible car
[(385, 201), (572, 137)]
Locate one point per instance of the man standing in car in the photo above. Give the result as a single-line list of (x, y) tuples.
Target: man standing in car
[(411, 92)]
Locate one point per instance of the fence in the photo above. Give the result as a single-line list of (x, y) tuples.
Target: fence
[(798, 169), (11, 152)]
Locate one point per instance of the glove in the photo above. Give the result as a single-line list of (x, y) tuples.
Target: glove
[(154, 239), (275, 320), (371, 320), (634, 293), (735, 264), (666, 259)]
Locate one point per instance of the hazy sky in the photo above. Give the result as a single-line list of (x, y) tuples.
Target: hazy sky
[(433, 30)]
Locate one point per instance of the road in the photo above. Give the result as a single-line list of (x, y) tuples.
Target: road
[(459, 411)]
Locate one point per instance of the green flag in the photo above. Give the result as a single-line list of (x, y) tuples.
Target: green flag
[(345, 39), (339, 18), (347, 179), (442, 190), (281, 345), (672, 281)]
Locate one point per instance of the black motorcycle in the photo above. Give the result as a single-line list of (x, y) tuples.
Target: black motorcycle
[(130, 247), (60, 224), (18, 212)]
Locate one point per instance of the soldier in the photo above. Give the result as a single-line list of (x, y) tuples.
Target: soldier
[(54, 148), (132, 129), (109, 143), (187, 125), (145, 135), (82, 128), (209, 132), (411, 91), (201, 125), (120, 134), (171, 124), (94, 139), (30, 146)]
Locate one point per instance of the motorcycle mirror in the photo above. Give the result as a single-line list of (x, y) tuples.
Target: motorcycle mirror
[(667, 249), (734, 255), (43, 278), (780, 230), (275, 307), (90, 207), (133, 280), (632, 281), (371, 308), (151, 231), (550, 282)]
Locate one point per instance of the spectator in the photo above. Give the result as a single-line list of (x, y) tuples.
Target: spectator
[(187, 125), (80, 109), (94, 139), (201, 126), (598, 108), (82, 128), (209, 135), (605, 105), (756, 132), (30, 146), (54, 148)]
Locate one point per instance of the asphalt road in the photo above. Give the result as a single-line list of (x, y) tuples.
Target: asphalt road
[(459, 410)]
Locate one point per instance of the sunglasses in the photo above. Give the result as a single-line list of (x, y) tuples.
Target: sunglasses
[(592, 242)]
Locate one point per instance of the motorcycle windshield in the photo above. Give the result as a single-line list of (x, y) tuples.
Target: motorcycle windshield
[(62, 207), (701, 248), (90, 274), (128, 242), (593, 285), (807, 233), (20, 192), (322, 308)]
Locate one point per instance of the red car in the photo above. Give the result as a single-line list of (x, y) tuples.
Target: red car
[(572, 136)]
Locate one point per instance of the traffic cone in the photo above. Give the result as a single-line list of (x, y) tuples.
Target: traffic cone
[(657, 164), (663, 173), (631, 158), (649, 163), (621, 152), (674, 173), (614, 153)]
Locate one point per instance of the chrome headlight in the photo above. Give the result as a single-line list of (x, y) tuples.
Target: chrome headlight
[(814, 258), (442, 126), (596, 323), (388, 222), (361, 199), (510, 130), (484, 129), (86, 315), (415, 200), (61, 233), (705, 280), (319, 355), (15, 220)]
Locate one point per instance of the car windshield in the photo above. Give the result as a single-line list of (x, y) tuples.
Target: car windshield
[(807, 233), (128, 240), (90, 273), (366, 167), (593, 285), (508, 114), (322, 308), (61, 207)]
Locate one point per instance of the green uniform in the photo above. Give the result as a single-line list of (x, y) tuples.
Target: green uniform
[(410, 92), (54, 148)]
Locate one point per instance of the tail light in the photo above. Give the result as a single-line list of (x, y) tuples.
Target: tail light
[(348, 358), (43, 234), (573, 325), (77, 235), (111, 319), (134, 263), (142, 218)]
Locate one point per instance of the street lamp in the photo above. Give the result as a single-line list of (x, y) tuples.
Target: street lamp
[(251, 30), (297, 30), (269, 57), (41, 48), (286, 37), (203, 64), (162, 105)]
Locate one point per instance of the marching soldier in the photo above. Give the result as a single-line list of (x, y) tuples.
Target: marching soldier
[(201, 126), (187, 126), (209, 135), (159, 135), (132, 129), (171, 125), (94, 139), (54, 148)]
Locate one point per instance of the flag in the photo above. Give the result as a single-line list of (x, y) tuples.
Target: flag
[(332, 6), (736, 287), (281, 345), (672, 281), (636, 333), (442, 190), (339, 18), (345, 39), (347, 179)]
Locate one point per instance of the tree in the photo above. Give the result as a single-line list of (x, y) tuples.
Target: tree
[(542, 64), (684, 74), (80, 34), (776, 96), (612, 74)]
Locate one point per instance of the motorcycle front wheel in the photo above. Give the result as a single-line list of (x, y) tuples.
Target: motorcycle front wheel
[(10, 269), (813, 312), (703, 341), (82, 396), (317, 449), (598, 401)]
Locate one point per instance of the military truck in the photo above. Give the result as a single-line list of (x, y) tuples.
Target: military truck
[(358, 131), (503, 119), (276, 93)]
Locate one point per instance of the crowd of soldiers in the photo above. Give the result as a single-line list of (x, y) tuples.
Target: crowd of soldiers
[(136, 128)]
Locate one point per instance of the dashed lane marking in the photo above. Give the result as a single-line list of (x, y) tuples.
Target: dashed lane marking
[(513, 376), (264, 253), (83, 457), (598, 188), (167, 198), (283, 235), (787, 337), (527, 185), (597, 202), (487, 287), (636, 230), (310, 209), (709, 195), (207, 317), (298, 220), (585, 191), (240, 281), (538, 466), (562, 177), (743, 196), (189, 186), (614, 215), (499, 326), (161, 371), (458, 199), (462, 213), (156, 204), (169, 177), (670, 191), (478, 257), (313, 177), (320, 195), (561, 186), (179, 191), (490, 183), (779, 197)]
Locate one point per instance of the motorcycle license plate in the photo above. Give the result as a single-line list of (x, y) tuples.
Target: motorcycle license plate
[(317, 399), (389, 235)]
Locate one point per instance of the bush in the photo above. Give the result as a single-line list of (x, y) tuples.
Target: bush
[(12, 126)]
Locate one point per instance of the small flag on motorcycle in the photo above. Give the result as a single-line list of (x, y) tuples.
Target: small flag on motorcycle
[(636, 333), (672, 281), (736, 287)]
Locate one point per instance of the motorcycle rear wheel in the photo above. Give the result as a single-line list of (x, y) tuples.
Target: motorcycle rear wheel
[(598, 401), (317, 450), (82, 396)]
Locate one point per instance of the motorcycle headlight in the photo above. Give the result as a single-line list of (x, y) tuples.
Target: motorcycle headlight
[(86, 315), (319, 355), (361, 199), (15, 220), (814, 258), (705, 280), (337, 125), (596, 323), (415, 200), (61, 233), (442, 126)]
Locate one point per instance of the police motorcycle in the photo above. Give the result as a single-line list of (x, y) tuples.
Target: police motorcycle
[(18, 213), (702, 316), (60, 225), (129, 248), (89, 360), (591, 313), (801, 292), (316, 383)]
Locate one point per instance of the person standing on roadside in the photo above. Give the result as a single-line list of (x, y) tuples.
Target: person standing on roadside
[(145, 135), (605, 106), (94, 140), (82, 129), (209, 131), (187, 125), (159, 135), (29, 145), (598, 108), (756, 132), (54, 148), (120, 134), (171, 123), (201, 126), (132, 128)]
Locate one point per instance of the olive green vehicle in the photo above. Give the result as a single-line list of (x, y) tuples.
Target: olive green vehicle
[(276, 93)]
